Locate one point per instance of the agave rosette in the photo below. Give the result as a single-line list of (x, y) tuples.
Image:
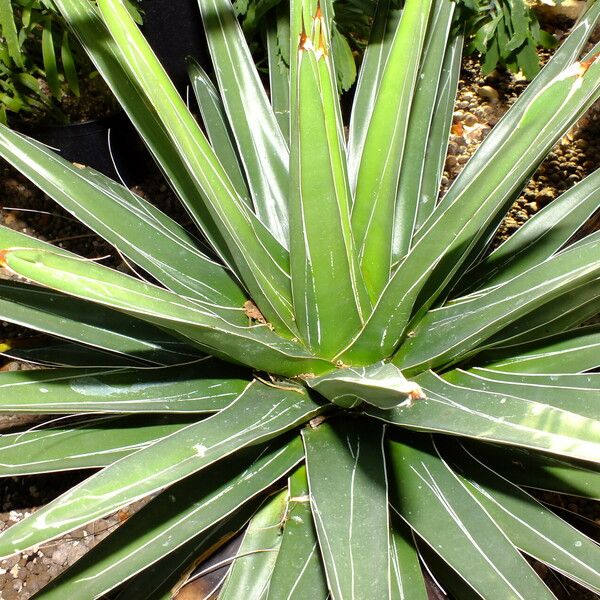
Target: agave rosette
[(350, 333)]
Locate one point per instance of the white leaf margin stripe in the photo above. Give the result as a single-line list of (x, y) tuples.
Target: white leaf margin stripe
[(559, 547), (584, 450), (553, 379), (429, 480), (35, 437), (180, 522)]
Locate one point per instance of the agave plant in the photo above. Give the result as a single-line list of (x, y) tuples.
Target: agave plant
[(334, 362)]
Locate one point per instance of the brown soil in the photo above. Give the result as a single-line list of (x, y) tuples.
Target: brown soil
[(95, 101)]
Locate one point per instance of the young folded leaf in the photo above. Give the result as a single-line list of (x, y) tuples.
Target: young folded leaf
[(381, 385), (323, 264), (377, 181)]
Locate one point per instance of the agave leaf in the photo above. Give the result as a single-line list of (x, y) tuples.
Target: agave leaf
[(260, 413), (53, 352), (586, 239), (526, 468), (279, 70), (161, 579), (91, 324), (446, 334), (348, 498), (429, 85), (439, 130), (529, 525), (495, 417), (206, 386), (573, 351), (92, 442), (539, 238), (442, 511), (217, 127), (323, 263), (457, 224), (407, 577), (10, 238), (135, 227), (192, 320), (260, 260), (384, 144), (446, 578), (186, 511), (571, 383), (298, 571), (561, 60), (253, 565), (381, 385), (85, 20), (561, 314), (581, 400), (262, 147), (373, 63), (347, 516)]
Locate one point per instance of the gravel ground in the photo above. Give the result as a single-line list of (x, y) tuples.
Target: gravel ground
[(482, 101), (24, 574), (480, 104)]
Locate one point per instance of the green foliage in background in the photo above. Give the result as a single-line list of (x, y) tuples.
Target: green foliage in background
[(40, 61), (506, 33), (331, 360), (37, 62)]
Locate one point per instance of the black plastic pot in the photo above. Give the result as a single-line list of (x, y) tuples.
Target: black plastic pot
[(88, 144), (174, 30)]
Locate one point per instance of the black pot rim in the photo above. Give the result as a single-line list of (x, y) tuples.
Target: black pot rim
[(99, 123)]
